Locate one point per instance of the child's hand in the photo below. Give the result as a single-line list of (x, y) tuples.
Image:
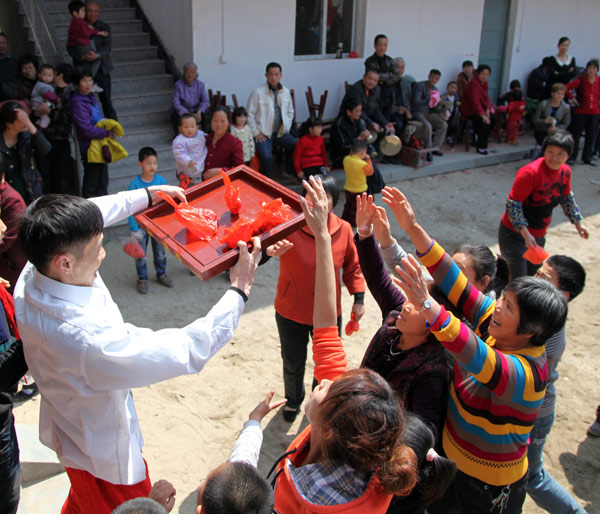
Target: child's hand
[(192, 165), (164, 493), (381, 228), (279, 248), (103, 33), (264, 407), (405, 216), (365, 212), (301, 175)]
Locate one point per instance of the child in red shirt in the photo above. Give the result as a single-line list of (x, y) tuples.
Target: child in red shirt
[(79, 30), (310, 156), (515, 111)]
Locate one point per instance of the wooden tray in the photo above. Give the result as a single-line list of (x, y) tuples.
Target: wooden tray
[(209, 258)]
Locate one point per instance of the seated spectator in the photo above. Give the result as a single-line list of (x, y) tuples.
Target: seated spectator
[(475, 105), (401, 112), (241, 130), (552, 114), (19, 138), (12, 258), (189, 151), (222, 149), (388, 75), (421, 101), (463, 78), (489, 451), (270, 116), (28, 68), (587, 111), (451, 97), (310, 155), (538, 87), (515, 85), (562, 66), (9, 69), (189, 95)]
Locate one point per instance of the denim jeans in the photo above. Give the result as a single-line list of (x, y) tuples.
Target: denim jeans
[(10, 469), (160, 257), (265, 153), (543, 489)]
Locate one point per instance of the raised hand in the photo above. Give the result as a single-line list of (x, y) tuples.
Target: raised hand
[(365, 212), (381, 228), (412, 281), (264, 407), (400, 206), (242, 273), (317, 213)]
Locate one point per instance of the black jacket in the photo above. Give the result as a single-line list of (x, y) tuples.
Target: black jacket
[(388, 76), (343, 133), (371, 112)]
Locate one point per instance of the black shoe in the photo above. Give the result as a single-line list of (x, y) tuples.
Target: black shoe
[(482, 151), (590, 163), (429, 157), (439, 153), (570, 162), (26, 393), (290, 415)]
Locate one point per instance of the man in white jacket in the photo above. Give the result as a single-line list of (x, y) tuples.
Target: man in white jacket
[(270, 117)]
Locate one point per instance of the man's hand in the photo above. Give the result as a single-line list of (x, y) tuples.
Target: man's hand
[(103, 33), (400, 109), (242, 273), (364, 134), (382, 228), (359, 311), (91, 56), (389, 126), (164, 493), (279, 248), (365, 212), (172, 191), (408, 114), (261, 138), (400, 206), (375, 127), (264, 407), (582, 231), (486, 119)]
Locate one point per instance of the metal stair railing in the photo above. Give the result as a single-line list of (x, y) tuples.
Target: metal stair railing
[(44, 36)]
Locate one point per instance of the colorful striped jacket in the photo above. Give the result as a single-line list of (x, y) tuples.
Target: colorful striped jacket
[(495, 395)]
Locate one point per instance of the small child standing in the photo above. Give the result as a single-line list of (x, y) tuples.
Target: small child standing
[(450, 97), (189, 150), (310, 156), (242, 131), (357, 166), (148, 162), (80, 32), (515, 111), (43, 91)]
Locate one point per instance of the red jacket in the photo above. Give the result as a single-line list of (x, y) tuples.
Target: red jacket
[(296, 285), (79, 33), (515, 109), (475, 99), (310, 151), (12, 258), (588, 94)]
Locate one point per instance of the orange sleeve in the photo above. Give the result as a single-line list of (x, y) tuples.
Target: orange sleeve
[(328, 354), (368, 167)]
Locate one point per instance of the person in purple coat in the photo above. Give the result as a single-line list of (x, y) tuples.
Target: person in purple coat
[(86, 112), (189, 95)]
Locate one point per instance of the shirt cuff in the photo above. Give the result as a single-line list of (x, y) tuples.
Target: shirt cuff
[(149, 196), (359, 298), (240, 292)]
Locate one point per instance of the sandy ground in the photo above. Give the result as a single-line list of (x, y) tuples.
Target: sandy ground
[(190, 423)]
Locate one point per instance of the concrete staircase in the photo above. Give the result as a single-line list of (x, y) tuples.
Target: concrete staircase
[(141, 88)]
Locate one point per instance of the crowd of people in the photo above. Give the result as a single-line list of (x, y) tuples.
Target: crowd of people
[(455, 395)]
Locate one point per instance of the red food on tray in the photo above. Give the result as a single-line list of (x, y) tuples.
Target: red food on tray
[(200, 222), (232, 194), (241, 230), (272, 214)]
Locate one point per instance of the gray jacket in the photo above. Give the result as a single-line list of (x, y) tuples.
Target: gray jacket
[(420, 97), (562, 117)]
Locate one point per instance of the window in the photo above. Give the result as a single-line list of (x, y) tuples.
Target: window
[(322, 24)]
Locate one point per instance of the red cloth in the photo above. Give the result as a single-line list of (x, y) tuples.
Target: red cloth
[(91, 495), (227, 153), (475, 98), (512, 130), (515, 109), (80, 33), (12, 258), (310, 151), (296, 285), (588, 94)]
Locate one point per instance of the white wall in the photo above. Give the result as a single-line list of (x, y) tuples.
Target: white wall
[(426, 33), (538, 24), (173, 23)]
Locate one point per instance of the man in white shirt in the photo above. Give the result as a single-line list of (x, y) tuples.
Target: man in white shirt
[(85, 358), (270, 117)]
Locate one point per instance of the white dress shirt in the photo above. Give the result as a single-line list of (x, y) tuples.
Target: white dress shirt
[(248, 444), (84, 358)]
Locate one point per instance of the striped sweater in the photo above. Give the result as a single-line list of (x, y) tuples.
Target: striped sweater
[(495, 395)]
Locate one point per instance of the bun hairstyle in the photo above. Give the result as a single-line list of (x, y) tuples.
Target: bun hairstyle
[(435, 473), (485, 263), (311, 122), (361, 422)]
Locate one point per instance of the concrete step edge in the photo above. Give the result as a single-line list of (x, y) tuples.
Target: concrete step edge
[(123, 64), (156, 76), (113, 22), (159, 92)]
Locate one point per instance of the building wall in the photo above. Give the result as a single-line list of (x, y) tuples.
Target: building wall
[(233, 41), (173, 23), (537, 26)]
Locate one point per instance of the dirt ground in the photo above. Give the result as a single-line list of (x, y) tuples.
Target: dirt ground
[(190, 423)]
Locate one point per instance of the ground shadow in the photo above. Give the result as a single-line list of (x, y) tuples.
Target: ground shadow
[(583, 472)]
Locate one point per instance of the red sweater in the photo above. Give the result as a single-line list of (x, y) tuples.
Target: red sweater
[(475, 99), (516, 109), (226, 153), (588, 94), (310, 151), (80, 32)]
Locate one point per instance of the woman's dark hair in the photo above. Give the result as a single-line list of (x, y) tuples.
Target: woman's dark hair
[(330, 186), (517, 95), (571, 274), (483, 67), (55, 224), (361, 422), (434, 476), (485, 263), (592, 62), (29, 59), (561, 138), (311, 122), (8, 113), (237, 112), (66, 70), (79, 74), (514, 84), (563, 40), (222, 108), (542, 308)]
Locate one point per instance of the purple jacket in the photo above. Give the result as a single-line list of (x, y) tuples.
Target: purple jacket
[(86, 112), (189, 98)]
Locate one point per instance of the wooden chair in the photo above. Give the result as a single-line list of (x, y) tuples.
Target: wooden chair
[(464, 130), (346, 86), (315, 109), (234, 100)]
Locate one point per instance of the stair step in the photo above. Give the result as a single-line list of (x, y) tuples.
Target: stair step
[(137, 53), (163, 149), (146, 135), (116, 183), (142, 84), (116, 27), (130, 99), (136, 69), (59, 5), (107, 15), (134, 118), (120, 40)]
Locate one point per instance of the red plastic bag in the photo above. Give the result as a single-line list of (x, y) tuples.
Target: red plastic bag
[(272, 214), (536, 255), (352, 326), (241, 230), (232, 195), (184, 180), (133, 248), (200, 222)]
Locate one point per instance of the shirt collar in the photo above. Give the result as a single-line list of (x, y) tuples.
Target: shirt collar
[(79, 295)]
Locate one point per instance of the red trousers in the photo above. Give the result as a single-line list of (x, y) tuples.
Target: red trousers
[(91, 495), (512, 128)]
